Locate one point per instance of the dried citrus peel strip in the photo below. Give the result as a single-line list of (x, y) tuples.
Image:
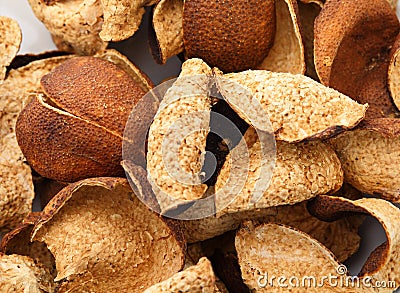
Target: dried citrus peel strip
[(11, 38)]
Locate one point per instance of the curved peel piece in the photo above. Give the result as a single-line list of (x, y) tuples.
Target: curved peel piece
[(196, 278), (298, 107), (394, 72), (166, 33), (177, 137), (352, 45), (384, 262), (74, 24), (122, 18), (104, 239), (10, 42), (22, 274), (370, 157), (287, 51), (16, 187), (232, 35)]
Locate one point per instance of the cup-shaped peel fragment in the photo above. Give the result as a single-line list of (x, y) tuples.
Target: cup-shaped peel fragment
[(104, 239)]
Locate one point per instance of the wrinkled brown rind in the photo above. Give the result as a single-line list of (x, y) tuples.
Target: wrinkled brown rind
[(185, 104), (76, 130), (287, 51), (352, 45), (21, 274), (46, 189), (166, 32), (121, 18), (296, 106), (198, 278), (308, 11), (16, 187), (74, 24), (10, 42), (274, 250), (394, 73), (383, 263), (232, 35), (370, 157), (105, 240)]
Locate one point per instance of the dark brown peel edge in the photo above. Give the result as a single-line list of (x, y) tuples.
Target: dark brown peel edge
[(22, 60), (153, 40)]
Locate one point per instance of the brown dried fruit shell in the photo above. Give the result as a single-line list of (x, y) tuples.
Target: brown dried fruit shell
[(197, 278), (16, 187), (104, 239), (166, 33), (297, 107), (79, 140), (384, 262), (394, 73), (370, 157), (22, 274), (185, 102), (275, 250), (231, 35), (75, 24), (352, 44), (11, 38), (287, 52)]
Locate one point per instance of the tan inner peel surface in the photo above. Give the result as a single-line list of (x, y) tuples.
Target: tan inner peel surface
[(111, 237)]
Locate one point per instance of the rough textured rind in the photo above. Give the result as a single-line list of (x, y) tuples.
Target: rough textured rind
[(352, 45), (287, 52), (105, 240), (199, 278), (21, 274), (394, 72), (301, 171), (74, 24), (16, 188), (370, 157), (177, 137), (166, 33), (10, 41), (282, 251), (384, 262), (232, 35), (78, 123), (122, 18), (297, 106)]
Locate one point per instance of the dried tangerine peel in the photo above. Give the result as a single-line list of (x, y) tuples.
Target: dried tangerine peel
[(185, 102), (197, 278), (122, 18), (302, 171), (74, 24), (104, 239), (308, 11), (287, 51), (394, 73), (370, 157), (16, 187), (298, 107), (282, 251), (10, 42), (384, 262), (167, 38), (351, 50), (131, 69), (22, 274), (231, 35)]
